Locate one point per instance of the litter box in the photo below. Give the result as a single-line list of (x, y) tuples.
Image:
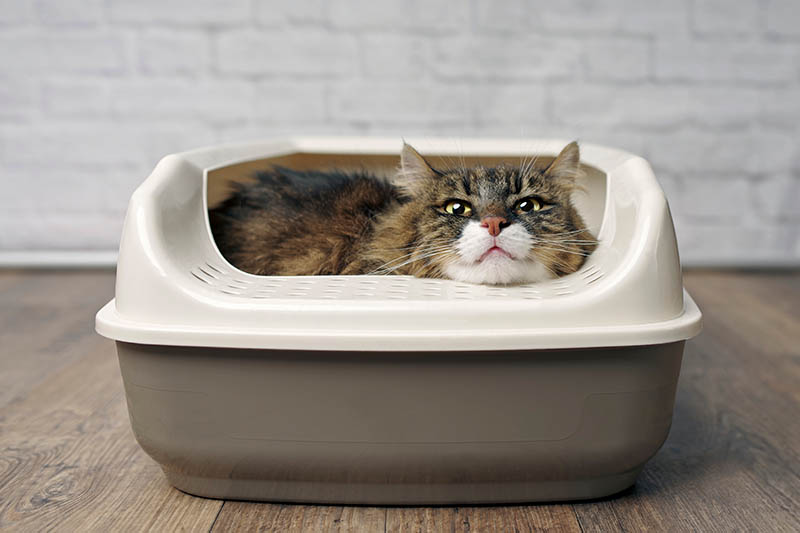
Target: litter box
[(394, 389)]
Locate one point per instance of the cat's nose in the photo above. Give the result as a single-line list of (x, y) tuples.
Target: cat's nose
[(494, 225)]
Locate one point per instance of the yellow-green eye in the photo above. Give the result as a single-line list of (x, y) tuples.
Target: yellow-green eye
[(527, 205), (458, 207)]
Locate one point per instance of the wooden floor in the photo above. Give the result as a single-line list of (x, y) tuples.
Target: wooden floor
[(69, 462)]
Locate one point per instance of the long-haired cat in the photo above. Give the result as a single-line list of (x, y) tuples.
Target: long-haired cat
[(499, 225)]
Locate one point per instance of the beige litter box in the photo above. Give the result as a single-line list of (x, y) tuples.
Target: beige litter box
[(393, 389)]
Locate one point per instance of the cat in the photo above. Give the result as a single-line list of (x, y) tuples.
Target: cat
[(500, 225)]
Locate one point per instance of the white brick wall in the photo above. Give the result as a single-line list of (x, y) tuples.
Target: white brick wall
[(93, 92)]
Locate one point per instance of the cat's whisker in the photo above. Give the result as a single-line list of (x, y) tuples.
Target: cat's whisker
[(413, 246), (384, 271), (579, 254), (566, 243), (416, 246), (566, 238), (557, 246), (448, 162), (549, 269), (460, 150), (523, 164), (554, 244), (554, 260), (410, 254), (556, 234), (419, 251), (560, 250)]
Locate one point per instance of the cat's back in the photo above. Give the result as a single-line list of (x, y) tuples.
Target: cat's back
[(291, 222)]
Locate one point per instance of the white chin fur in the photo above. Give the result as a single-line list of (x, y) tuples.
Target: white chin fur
[(496, 269)]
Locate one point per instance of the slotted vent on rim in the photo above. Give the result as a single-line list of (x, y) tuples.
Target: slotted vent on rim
[(224, 280)]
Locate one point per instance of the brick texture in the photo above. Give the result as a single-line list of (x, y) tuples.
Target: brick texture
[(94, 92), (173, 52)]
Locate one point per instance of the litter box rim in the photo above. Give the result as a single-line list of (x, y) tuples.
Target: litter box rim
[(688, 324)]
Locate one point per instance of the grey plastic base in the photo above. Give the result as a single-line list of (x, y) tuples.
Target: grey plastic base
[(407, 494), (401, 428)]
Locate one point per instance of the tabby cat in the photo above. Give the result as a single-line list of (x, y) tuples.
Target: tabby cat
[(498, 225)]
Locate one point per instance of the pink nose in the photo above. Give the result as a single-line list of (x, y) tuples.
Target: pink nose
[(494, 225)]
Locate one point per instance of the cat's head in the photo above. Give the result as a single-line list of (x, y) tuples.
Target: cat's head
[(498, 225)]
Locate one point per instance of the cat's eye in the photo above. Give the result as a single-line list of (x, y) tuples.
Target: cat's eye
[(526, 205), (458, 207)]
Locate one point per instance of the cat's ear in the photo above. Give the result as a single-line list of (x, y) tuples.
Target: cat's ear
[(413, 169), (565, 166)]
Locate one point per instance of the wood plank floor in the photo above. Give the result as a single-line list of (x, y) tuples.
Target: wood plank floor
[(68, 460)]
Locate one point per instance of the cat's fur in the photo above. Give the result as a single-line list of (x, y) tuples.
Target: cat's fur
[(311, 223)]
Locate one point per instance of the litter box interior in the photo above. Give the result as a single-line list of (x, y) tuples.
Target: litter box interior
[(227, 279)]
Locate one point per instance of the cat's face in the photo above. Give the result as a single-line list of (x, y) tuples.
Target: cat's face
[(501, 225)]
